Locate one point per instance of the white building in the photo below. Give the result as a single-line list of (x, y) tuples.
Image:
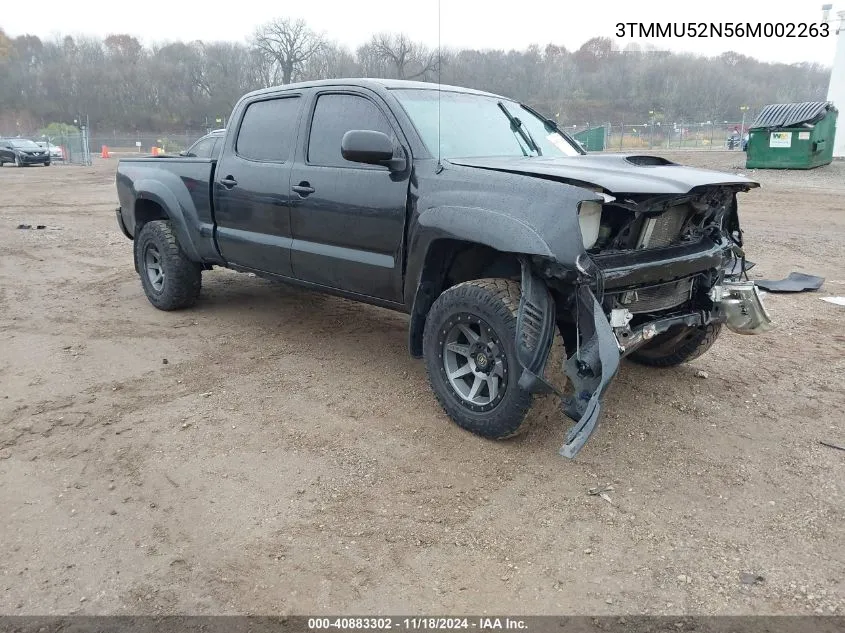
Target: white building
[(836, 91)]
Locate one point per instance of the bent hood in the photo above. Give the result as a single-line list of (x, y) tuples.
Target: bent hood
[(614, 173)]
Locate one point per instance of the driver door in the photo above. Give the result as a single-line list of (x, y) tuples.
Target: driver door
[(348, 219)]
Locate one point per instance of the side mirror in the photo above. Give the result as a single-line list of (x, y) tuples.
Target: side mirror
[(366, 146)]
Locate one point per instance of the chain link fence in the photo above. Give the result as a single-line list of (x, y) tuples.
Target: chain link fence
[(79, 146), (121, 142), (615, 137), (75, 148), (78, 149), (724, 135)]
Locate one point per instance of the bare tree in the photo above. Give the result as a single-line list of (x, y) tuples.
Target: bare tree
[(330, 62), (123, 84), (231, 71), (288, 44), (409, 60), (370, 62), (5, 46)]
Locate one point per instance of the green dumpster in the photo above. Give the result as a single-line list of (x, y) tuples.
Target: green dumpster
[(593, 139), (792, 136)]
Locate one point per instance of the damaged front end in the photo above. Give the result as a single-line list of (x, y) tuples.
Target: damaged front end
[(651, 267)]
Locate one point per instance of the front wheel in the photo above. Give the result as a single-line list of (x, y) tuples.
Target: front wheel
[(677, 346), (47, 164), (470, 356), (171, 281)]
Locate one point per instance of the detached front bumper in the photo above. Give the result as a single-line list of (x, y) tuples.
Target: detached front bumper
[(602, 341)]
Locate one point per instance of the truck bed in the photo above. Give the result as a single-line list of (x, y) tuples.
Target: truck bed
[(171, 182)]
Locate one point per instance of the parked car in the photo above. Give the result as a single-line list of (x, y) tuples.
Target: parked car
[(55, 150), (488, 225), (22, 152), (206, 147)]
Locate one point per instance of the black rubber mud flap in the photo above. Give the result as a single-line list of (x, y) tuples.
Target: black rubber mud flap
[(535, 330), (590, 369)]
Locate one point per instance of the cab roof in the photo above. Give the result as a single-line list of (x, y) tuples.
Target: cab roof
[(376, 84)]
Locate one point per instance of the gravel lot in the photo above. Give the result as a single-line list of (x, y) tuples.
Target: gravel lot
[(289, 457)]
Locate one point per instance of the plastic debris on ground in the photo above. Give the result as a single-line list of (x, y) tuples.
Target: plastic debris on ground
[(795, 282), (839, 301)]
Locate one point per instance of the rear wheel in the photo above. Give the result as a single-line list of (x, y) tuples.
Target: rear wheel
[(677, 346), (470, 356), (171, 281)]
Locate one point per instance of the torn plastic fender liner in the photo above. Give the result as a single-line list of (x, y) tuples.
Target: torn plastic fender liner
[(535, 329), (590, 369)]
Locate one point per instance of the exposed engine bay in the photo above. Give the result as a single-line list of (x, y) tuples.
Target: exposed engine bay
[(650, 224), (659, 269), (637, 222), (655, 267)]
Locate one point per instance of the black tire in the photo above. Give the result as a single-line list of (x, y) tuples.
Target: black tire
[(677, 346), (47, 164), (493, 303), (181, 279)]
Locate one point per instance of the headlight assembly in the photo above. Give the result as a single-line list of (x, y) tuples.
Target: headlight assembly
[(589, 218)]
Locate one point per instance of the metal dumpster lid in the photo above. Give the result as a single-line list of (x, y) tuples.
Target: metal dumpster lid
[(791, 114)]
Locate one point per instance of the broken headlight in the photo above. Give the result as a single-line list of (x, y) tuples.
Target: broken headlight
[(589, 218)]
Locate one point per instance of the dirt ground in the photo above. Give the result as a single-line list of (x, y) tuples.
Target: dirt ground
[(288, 457)]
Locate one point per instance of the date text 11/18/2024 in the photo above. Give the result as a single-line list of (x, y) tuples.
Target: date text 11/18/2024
[(484, 623)]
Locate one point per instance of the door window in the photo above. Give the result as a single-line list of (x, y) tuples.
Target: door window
[(268, 129), (334, 116)]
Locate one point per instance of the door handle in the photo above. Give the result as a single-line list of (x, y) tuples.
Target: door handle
[(303, 189), (228, 182)]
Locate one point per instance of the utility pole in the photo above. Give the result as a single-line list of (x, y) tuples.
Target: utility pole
[(651, 129), (836, 89), (742, 125)]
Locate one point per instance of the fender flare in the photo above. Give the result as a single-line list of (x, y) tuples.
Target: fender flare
[(147, 189), (492, 228), (476, 225)]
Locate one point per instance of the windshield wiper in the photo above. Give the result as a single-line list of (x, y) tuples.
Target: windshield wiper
[(552, 126), (519, 128)]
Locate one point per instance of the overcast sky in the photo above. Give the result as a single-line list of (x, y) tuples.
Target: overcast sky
[(464, 23)]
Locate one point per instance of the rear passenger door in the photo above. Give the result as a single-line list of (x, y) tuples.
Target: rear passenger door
[(348, 219), (252, 185)]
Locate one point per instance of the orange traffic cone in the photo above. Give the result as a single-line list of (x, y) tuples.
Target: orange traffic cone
[(105, 153), (155, 151)]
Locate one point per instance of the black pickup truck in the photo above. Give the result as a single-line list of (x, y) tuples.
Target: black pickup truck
[(470, 212)]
